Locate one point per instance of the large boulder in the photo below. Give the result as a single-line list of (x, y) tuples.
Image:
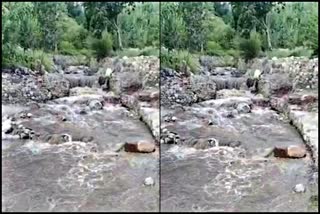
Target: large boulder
[(275, 85), (57, 84), (125, 82), (204, 87)]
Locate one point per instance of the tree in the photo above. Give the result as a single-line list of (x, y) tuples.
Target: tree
[(172, 27), (254, 16), (105, 14), (193, 14), (48, 14)]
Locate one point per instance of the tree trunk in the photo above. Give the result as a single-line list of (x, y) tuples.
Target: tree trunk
[(269, 39), (267, 26), (119, 39), (118, 34)]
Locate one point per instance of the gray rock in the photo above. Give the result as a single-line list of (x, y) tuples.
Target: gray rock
[(204, 87), (95, 105), (299, 188), (57, 84), (243, 108), (125, 82), (149, 181)]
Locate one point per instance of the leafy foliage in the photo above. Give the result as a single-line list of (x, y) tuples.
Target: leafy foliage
[(75, 28)]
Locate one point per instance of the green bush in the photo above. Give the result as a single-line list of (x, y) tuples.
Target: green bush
[(150, 51), (70, 31), (175, 59), (233, 52), (296, 52), (67, 48), (250, 48), (216, 30), (102, 47), (86, 52), (17, 56), (301, 52), (214, 49), (279, 53), (38, 56)]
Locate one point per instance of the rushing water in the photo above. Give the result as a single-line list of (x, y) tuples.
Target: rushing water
[(225, 178), (78, 176)]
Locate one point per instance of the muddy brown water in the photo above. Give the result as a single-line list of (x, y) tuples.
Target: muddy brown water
[(37, 176), (232, 179)]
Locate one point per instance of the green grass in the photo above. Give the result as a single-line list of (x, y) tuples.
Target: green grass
[(133, 52), (296, 52)]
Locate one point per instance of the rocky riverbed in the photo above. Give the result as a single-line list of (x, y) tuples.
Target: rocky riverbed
[(230, 145), (81, 140)]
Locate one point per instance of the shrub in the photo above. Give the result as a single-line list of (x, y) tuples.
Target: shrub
[(301, 52), (214, 49), (251, 47), (218, 31), (38, 56), (102, 47), (16, 56), (279, 53), (297, 52), (67, 48), (86, 52), (233, 52), (150, 51), (175, 59)]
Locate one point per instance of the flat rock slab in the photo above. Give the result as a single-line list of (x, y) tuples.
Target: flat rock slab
[(308, 125)]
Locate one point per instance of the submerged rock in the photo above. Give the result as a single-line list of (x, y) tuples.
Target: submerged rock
[(149, 181), (299, 188), (243, 108), (142, 147), (95, 105), (290, 152)]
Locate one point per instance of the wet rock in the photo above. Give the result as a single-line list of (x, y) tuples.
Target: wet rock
[(26, 133), (275, 85), (83, 70), (83, 111), (95, 105), (232, 144), (168, 137), (141, 147), (149, 181), (58, 85), (290, 152), (225, 93), (169, 118), (125, 82), (299, 188), (296, 152), (204, 87), (205, 143), (77, 91), (228, 114), (243, 108), (59, 138), (7, 126), (144, 96)]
